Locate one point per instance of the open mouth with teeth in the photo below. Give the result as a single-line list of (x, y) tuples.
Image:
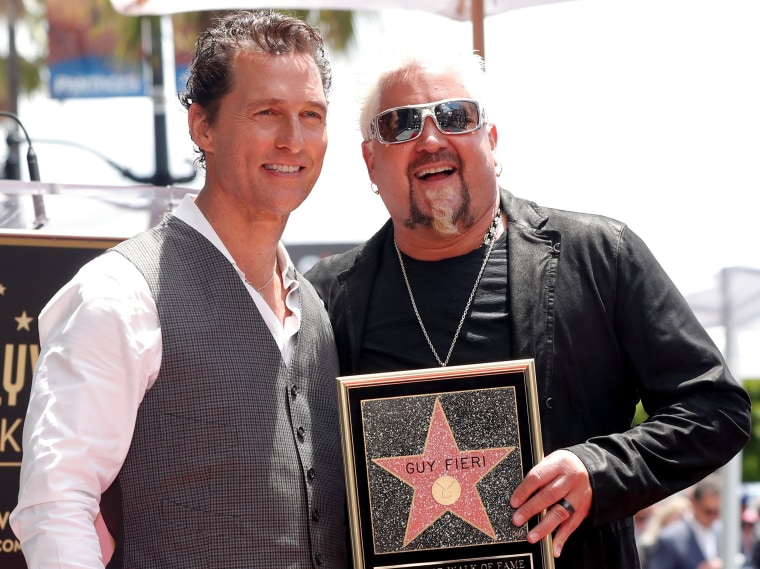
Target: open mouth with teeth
[(285, 169), (438, 173)]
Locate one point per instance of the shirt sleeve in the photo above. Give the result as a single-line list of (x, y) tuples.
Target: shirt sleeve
[(100, 351)]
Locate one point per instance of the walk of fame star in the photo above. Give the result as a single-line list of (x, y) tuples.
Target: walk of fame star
[(444, 478)]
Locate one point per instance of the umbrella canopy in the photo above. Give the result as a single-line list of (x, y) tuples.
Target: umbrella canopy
[(456, 9), (473, 10), (734, 303)]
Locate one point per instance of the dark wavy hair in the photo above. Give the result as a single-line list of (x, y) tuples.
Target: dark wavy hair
[(259, 31)]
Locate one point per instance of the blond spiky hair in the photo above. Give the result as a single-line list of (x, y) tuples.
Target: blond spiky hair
[(400, 65)]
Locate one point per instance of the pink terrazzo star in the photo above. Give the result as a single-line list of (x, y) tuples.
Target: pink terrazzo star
[(444, 478)]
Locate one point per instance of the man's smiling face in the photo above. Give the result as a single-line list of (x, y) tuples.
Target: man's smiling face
[(437, 181)]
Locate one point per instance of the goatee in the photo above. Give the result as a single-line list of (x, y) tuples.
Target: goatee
[(446, 216)]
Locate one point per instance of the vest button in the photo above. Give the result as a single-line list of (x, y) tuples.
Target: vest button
[(301, 432), (318, 558), (310, 474), (294, 390), (548, 403), (315, 515)]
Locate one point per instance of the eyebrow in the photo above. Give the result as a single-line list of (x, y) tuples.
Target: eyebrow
[(319, 103)]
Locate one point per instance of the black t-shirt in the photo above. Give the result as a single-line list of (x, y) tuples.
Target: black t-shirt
[(393, 339)]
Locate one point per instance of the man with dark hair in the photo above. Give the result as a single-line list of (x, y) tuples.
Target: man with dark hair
[(189, 373), (692, 542)]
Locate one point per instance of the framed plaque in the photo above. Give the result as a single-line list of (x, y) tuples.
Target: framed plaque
[(432, 457)]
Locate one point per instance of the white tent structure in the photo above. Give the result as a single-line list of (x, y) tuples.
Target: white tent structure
[(734, 305)]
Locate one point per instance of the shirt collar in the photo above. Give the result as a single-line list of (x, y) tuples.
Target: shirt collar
[(188, 212)]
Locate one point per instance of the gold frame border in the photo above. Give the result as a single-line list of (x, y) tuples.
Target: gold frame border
[(347, 383)]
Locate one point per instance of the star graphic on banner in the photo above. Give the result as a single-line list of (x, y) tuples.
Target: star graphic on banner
[(23, 322), (444, 478)]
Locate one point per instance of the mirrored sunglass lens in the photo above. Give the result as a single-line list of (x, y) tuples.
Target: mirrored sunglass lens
[(452, 117), (457, 116), (399, 125)]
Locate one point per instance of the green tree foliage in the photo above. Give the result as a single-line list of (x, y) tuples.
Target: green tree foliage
[(337, 27), (640, 415), (751, 455), (29, 78), (29, 70)]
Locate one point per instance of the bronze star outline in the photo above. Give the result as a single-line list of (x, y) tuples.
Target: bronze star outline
[(439, 446)]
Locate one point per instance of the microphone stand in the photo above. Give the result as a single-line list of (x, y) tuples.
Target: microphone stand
[(40, 218)]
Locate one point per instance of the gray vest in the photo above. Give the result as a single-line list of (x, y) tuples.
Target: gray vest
[(235, 461)]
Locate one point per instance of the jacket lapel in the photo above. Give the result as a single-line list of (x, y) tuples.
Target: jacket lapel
[(533, 254)]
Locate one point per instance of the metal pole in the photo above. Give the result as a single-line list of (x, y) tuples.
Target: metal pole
[(158, 41), (12, 161), (162, 176), (732, 472), (478, 33)]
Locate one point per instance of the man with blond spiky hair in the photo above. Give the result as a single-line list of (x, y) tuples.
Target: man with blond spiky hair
[(464, 272)]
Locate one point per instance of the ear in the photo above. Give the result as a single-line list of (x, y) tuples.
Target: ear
[(493, 136), (369, 158), (199, 127)]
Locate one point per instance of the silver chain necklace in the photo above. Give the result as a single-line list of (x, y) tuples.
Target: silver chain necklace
[(488, 239), (259, 289)]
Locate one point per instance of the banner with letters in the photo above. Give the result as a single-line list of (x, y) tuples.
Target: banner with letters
[(92, 51)]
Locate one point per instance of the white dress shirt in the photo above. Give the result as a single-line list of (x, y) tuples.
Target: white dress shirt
[(707, 537), (101, 351)]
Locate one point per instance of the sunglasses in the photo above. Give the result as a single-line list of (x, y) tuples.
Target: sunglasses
[(451, 116)]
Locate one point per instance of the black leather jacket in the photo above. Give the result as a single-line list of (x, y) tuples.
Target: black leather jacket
[(607, 328)]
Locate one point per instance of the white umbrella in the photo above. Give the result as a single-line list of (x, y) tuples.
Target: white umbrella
[(733, 304), (473, 10)]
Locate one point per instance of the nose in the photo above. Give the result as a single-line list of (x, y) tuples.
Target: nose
[(290, 135), (431, 138)]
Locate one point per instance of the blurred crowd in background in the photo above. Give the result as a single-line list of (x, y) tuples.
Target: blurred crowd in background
[(684, 530)]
